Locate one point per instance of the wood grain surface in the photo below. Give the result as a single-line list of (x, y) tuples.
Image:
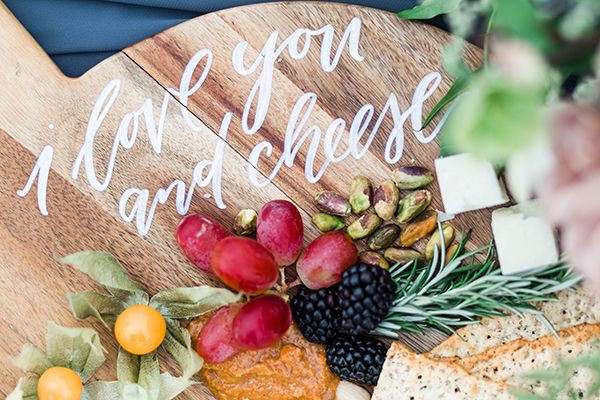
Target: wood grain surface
[(39, 106)]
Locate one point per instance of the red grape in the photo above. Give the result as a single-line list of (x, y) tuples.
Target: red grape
[(279, 228), (216, 343), (325, 259), (262, 322), (197, 235), (244, 265)]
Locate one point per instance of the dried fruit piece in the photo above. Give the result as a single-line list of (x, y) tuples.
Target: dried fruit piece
[(418, 229), (244, 265), (401, 255), (386, 199), (322, 262), (451, 251), (333, 203), (412, 177), (245, 222), (434, 241), (373, 258), (197, 235), (383, 237), (360, 194), (412, 205), (280, 230), (364, 226), (327, 222), (262, 322)]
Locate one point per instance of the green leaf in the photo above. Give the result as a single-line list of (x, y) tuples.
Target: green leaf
[(75, 348), (455, 90), (518, 18), (32, 360), (171, 386), (429, 9), (26, 389), (190, 302), (100, 390), (102, 268), (133, 391), (93, 304), (178, 343), (142, 371)]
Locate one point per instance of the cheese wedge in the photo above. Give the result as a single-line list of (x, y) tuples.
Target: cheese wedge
[(524, 239), (468, 183)]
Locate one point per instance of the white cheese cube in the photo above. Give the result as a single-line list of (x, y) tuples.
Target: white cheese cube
[(468, 183), (524, 239)]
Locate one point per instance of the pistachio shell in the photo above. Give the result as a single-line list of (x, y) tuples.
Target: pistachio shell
[(386, 199)]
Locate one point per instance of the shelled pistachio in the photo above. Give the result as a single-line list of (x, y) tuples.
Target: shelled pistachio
[(333, 203), (327, 222), (364, 226), (412, 205), (412, 177), (245, 222), (386, 199), (434, 241), (418, 228), (373, 258), (360, 194), (401, 255), (383, 237)]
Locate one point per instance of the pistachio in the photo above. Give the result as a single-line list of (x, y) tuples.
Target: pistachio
[(418, 229), (333, 203), (451, 251), (360, 194), (373, 258), (412, 205), (245, 222), (386, 199), (349, 391), (326, 222), (434, 241), (383, 237), (364, 226), (401, 255), (412, 177)]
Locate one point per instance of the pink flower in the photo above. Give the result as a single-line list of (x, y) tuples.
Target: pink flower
[(571, 194)]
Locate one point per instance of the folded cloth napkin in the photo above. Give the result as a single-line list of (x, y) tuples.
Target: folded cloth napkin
[(80, 33)]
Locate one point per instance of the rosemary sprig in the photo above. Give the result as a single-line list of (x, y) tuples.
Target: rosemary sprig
[(444, 297)]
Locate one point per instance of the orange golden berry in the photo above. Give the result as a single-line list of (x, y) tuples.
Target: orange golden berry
[(59, 383), (140, 329)]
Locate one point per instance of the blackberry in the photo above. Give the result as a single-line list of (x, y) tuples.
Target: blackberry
[(366, 295), (317, 314), (356, 359)]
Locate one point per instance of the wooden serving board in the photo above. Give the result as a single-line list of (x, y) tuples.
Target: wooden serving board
[(40, 107)]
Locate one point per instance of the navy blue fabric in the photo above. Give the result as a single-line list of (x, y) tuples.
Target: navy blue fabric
[(80, 33)]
